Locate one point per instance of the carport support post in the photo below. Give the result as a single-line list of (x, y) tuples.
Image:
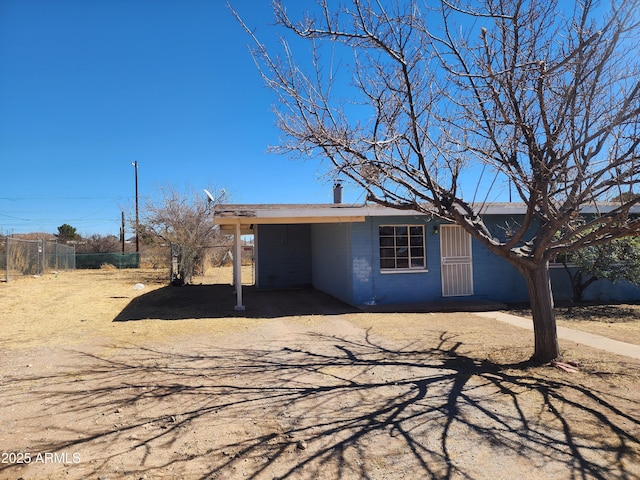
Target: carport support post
[(237, 267)]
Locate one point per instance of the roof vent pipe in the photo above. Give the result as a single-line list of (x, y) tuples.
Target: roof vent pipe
[(337, 193)]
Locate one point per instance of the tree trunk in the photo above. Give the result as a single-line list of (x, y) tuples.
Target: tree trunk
[(585, 285), (544, 319), (578, 289), (576, 284)]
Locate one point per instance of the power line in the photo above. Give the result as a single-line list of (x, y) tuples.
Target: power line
[(15, 218), (92, 197)]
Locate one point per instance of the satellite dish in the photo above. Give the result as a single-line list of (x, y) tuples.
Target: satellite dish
[(209, 196)]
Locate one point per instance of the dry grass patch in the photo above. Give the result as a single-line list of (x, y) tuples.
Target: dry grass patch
[(617, 321), (77, 306)]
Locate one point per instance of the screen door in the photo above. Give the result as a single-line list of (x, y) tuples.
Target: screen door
[(455, 252)]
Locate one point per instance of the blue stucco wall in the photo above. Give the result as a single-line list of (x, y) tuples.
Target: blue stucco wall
[(502, 282), (493, 277), (496, 279), (346, 264), (331, 254), (599, 291), (284, 256)]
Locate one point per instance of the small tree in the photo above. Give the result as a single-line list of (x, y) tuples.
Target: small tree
[(617, 260), (183, 222), (436, 106), (67, 233)]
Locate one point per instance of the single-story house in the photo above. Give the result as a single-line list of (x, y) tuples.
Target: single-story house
[(372, 255)]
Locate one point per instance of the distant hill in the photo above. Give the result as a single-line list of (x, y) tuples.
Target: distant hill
[(35, 236)]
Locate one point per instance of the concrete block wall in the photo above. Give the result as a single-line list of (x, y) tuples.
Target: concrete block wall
[(343, 260), (284, 254), (331, 253), (371, 286)]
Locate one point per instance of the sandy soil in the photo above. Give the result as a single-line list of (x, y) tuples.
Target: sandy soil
[(103, 381)]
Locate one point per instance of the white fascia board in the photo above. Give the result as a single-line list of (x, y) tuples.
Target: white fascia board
[(292, 214), (280, 220)]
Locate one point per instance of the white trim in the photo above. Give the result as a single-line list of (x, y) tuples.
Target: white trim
[(280, 219), (256, 262), (409, 226), (393, 271), (237, 266)]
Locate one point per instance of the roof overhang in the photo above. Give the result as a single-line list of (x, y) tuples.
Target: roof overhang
[(228, 216), (248, 215)]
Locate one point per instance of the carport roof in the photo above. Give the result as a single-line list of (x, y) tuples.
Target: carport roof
[(264, 214), (300, 213)]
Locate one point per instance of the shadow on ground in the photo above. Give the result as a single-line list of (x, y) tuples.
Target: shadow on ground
[(217, 301), (328, 407)]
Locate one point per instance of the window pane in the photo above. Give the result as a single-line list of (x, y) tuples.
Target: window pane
[(402, 241), (417, 262), (403, 263), (417, 252), (387, 253), (387, 263), (386, 242), (417, 241), (418, 230), (401, 231), (386, 231)]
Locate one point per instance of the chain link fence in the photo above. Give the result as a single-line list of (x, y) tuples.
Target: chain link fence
[(20, 257)]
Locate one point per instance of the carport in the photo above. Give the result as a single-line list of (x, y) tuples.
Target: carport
[(238, 220)]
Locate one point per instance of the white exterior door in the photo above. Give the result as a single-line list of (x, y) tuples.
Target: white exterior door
[(456, 261)]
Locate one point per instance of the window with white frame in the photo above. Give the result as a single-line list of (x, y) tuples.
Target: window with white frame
[(402, 247)]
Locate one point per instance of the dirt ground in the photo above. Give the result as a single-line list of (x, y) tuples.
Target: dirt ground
[(101, 380)]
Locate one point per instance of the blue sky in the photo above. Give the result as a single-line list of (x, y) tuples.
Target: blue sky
[(87, 87)]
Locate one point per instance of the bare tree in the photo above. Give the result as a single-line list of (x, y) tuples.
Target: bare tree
[(184, 222), (415, 101), (97, 243)]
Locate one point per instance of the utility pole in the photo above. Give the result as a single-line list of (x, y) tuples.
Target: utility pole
[(135, 165), (122, 233)]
